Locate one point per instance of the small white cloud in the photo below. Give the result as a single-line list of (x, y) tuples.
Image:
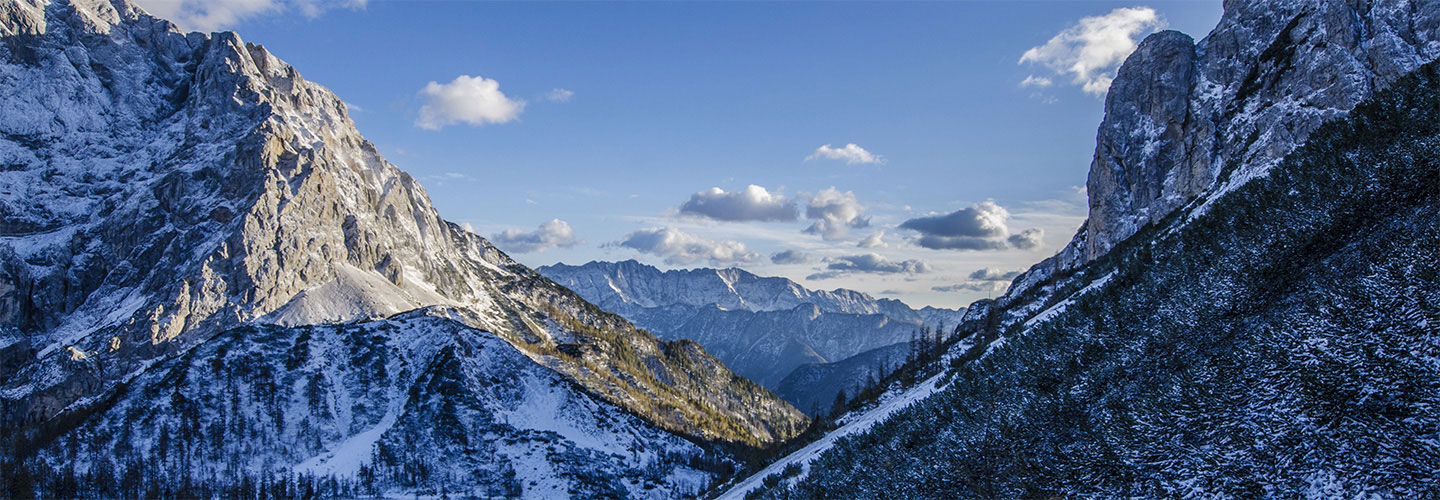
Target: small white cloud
[(559, 95), (1091, 50), (851, 153), (684, 248), (554, 234), (216, 15), (875, 240), (474, 100), (1036, 81), (755, 203), (835, 213)]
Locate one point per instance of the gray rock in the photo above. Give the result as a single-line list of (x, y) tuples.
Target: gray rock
[(1186, 123), (160, 187)]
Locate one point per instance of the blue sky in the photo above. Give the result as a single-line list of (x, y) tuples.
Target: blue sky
[(619, 119)]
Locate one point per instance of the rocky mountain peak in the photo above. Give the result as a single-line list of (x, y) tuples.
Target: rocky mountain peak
[(1183, 118), (160, 187)]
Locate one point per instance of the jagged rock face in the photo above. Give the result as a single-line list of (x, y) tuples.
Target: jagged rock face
[(761, 327), (1148, 101), (159, 187), (1180, 116)]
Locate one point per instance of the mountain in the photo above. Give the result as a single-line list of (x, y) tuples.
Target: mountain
[(166, 194), (761, 327), (1248, 311), (813, 386)]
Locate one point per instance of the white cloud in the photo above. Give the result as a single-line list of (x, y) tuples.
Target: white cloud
[(755, 203), (1036, 81), (554, 234), (559, 95), (215, 15), (851, 153), (875, 240), (474, 100), (684, 248), (982, 226), (1091, 50), (869, 263), (834, 213)]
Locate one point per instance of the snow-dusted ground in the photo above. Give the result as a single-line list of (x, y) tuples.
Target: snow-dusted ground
[(889, 403)]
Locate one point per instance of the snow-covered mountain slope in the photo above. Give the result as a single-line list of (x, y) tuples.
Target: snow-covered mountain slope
[(159, 188), (761, 327), (1271, 337), (418, 402), (626, 285)]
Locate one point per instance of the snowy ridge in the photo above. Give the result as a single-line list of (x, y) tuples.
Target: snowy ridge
[(762, 327), (850, 424), (320, 398)]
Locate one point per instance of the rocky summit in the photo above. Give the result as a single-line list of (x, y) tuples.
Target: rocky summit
[(164, 191)]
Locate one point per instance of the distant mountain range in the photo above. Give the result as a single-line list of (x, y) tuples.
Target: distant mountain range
[(762, 327)]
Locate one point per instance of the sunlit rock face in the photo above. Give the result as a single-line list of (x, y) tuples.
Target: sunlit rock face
[(159, 189), (1186, 122), (1180, 116)]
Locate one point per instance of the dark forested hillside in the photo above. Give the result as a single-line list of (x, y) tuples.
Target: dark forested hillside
[(1280, 341)]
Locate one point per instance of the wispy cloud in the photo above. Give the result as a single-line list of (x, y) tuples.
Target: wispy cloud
[(875, 240), (475, 100), (850, 153), (790, 257), (1036, 81), (216, 15), (1090, 51), (559, 95), (869, 263)]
